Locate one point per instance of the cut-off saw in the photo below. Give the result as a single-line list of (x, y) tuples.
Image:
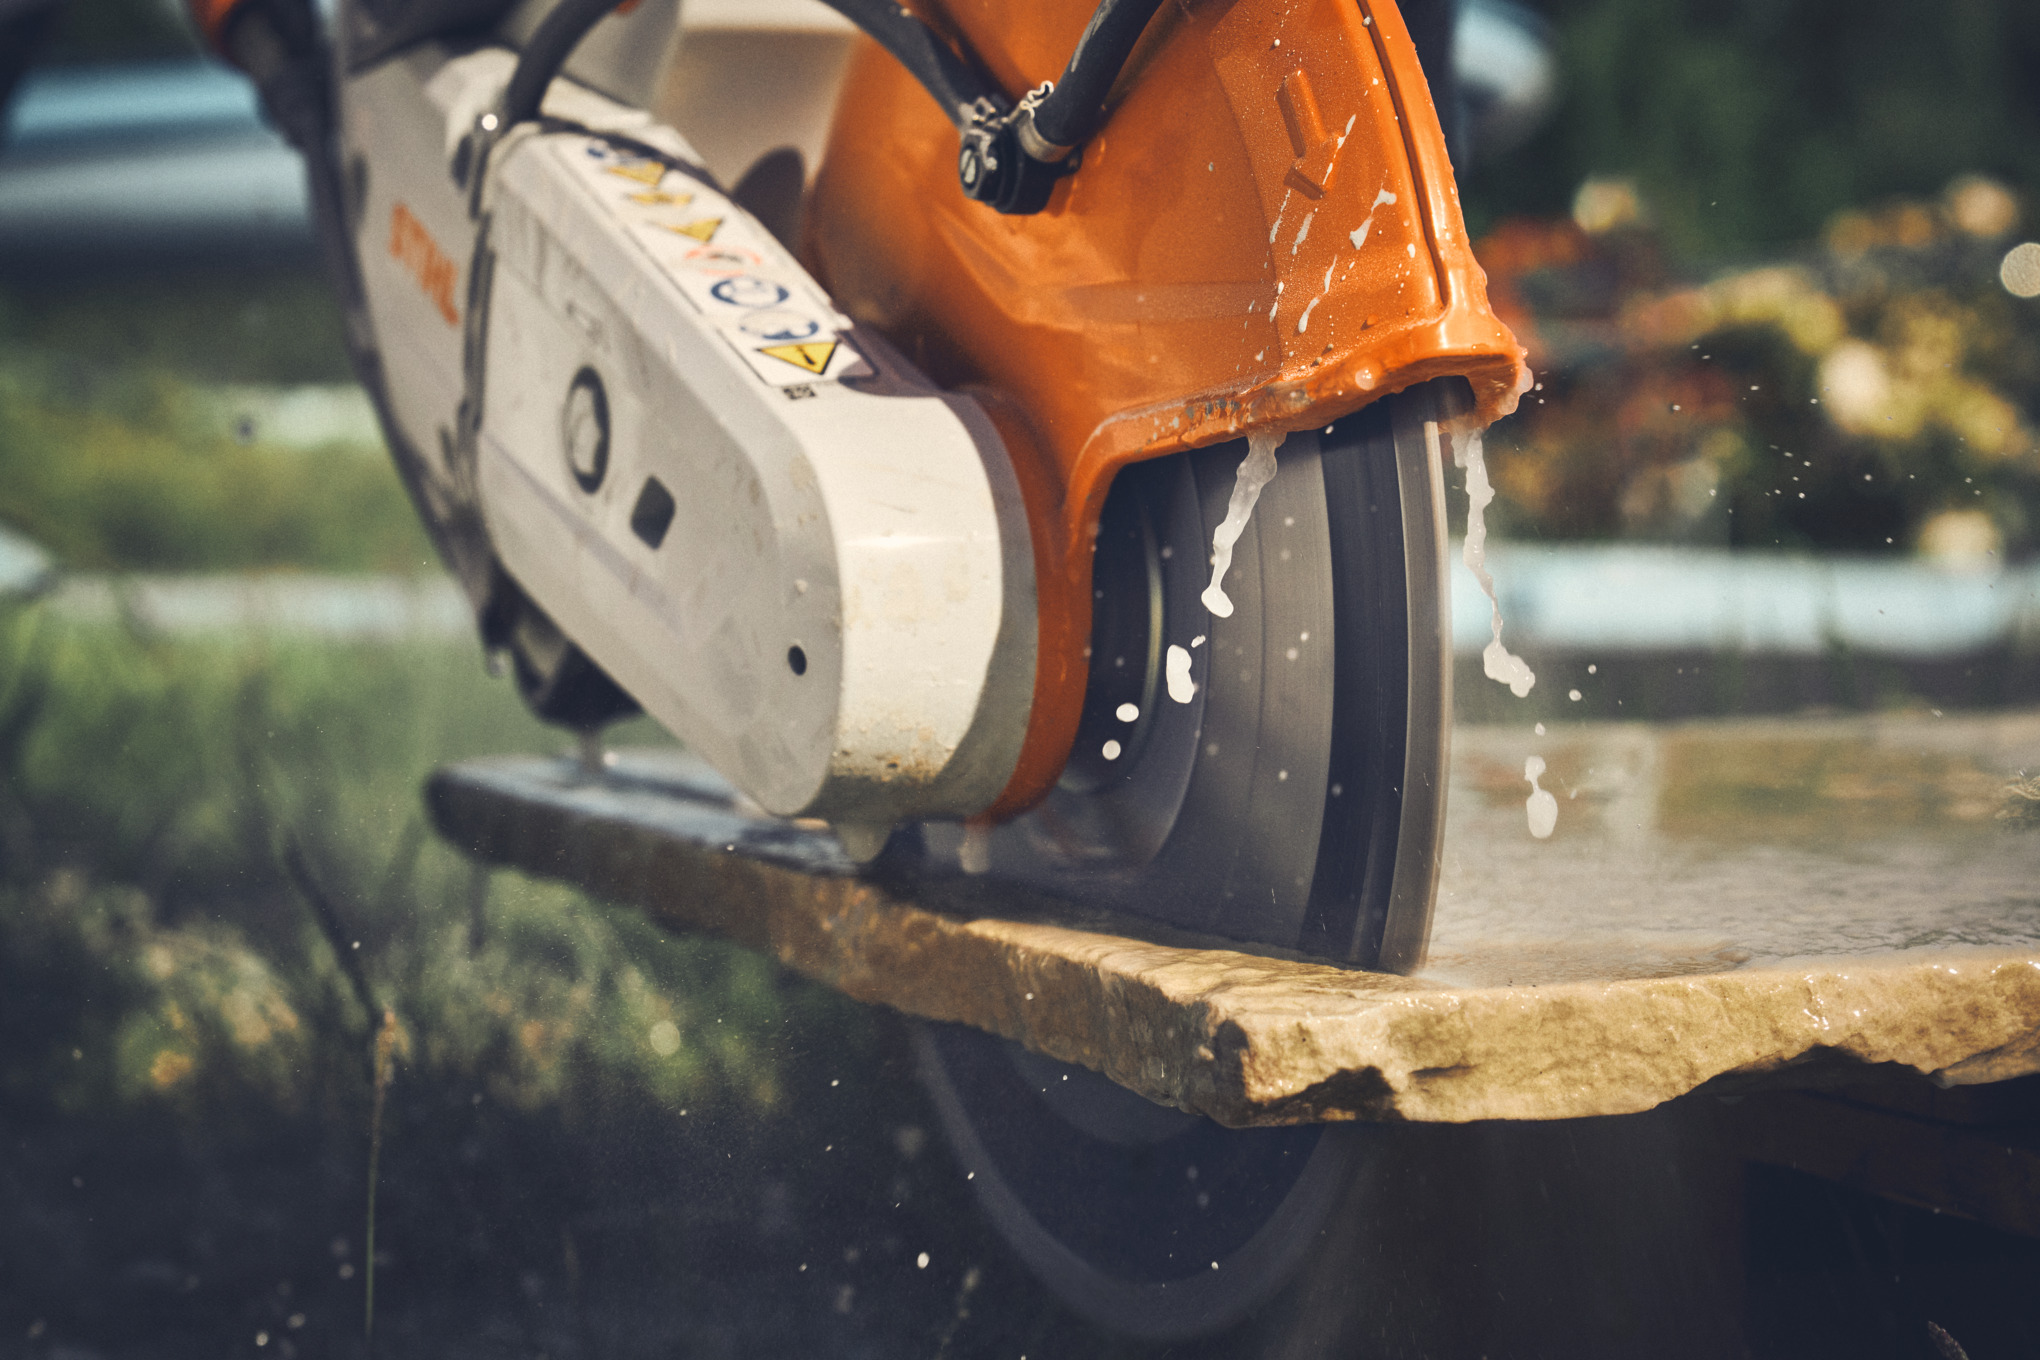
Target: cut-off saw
[(1044, 483)]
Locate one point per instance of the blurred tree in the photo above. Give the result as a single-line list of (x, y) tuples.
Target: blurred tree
[(1874, 394), (1748, 123)]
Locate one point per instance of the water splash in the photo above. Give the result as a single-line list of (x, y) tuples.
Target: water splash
[(1177, 673), (1498, 661), (1541, 806), (1358, 236), (1257, 469)]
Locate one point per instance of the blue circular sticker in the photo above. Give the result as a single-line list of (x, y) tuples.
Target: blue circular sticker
[(779, 326), (748, 291)]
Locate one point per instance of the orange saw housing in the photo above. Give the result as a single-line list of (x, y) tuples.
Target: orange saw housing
[(1265, 235)]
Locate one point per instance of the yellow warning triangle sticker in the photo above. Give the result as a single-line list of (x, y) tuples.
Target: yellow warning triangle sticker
[(644, 172), (702, 230), (653, 198), (812, 355)]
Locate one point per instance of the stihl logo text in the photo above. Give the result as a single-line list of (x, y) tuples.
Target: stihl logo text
[(413, 247)]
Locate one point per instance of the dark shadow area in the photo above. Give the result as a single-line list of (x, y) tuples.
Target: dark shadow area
[(1838, 1272)]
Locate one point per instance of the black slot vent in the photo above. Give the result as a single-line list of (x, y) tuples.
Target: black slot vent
[(653, 513)]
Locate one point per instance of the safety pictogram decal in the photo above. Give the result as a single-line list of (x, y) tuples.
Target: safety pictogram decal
[(702, 229), (812, 355), (647, 173)]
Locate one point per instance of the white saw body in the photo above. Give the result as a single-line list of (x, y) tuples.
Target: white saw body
[(794, 551)]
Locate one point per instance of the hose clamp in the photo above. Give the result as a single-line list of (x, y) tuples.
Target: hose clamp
[(1004, 160)]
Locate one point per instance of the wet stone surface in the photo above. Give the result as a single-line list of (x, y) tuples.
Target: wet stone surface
[(1750, 903)]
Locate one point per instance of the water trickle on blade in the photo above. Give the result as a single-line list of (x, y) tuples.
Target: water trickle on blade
[(1257, 469), (1541, 806), (1498, 661), (1177, 673)]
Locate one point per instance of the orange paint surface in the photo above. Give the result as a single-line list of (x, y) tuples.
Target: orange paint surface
[(413, 247), (1265, 234), (211, 17)]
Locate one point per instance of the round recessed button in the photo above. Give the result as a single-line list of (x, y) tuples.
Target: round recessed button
[(584, 430)]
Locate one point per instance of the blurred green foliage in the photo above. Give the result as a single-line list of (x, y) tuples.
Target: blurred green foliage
[(131, 479), (586, 1108), (148, 788), (1872, 394), (270, 324), (110, 455), (1748, 123)]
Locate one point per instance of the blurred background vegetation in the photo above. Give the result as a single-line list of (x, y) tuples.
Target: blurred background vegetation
[(1755, 251), (600, 1140), (145, 424), (1746, 125), (1869, 392)]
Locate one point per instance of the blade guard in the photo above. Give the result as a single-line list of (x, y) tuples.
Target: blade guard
[(1265, 235)]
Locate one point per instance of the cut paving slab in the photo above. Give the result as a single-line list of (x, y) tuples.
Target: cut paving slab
[(1778, 903)]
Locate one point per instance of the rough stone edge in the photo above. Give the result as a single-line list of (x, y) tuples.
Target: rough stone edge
[(1253, 1040)]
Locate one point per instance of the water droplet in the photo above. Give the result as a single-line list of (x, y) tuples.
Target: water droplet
[(1177, 672), (1499, 663), (1541, 807), (664, 1038)]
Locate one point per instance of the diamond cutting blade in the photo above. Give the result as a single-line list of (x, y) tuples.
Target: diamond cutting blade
[(1291, 795)]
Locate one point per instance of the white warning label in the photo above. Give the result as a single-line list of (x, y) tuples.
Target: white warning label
[(744, 283), (828, 359)]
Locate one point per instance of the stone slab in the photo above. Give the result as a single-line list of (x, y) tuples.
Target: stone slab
[(1778, 903)]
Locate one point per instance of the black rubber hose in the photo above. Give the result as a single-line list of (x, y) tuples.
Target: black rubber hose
[(559, 33), (956, 84), (1076, 108)]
